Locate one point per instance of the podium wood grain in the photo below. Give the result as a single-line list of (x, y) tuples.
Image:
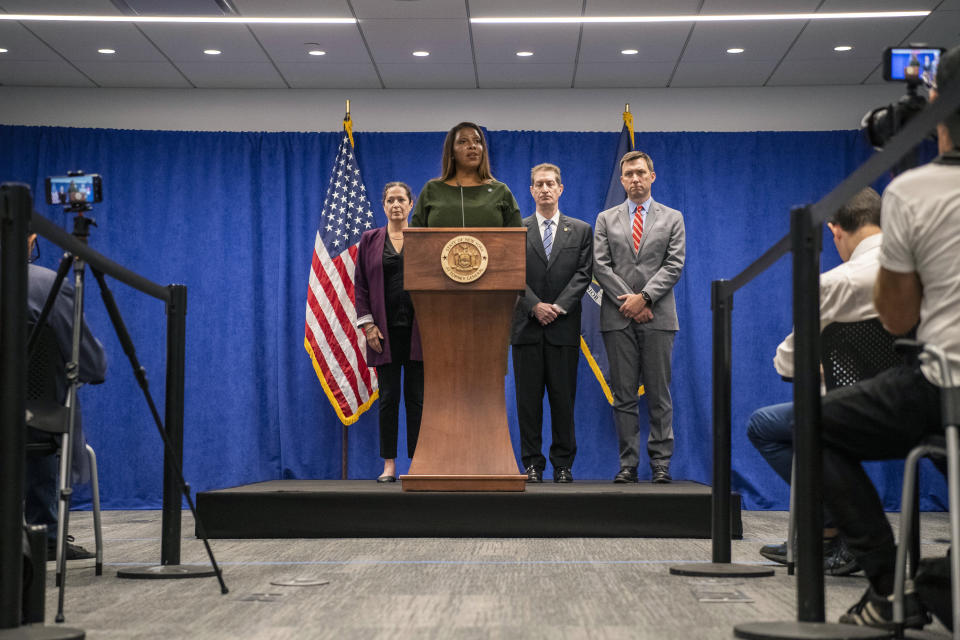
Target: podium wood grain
[(464, 442)]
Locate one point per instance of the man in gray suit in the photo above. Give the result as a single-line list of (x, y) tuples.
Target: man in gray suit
[(546, 326), (639, 249)]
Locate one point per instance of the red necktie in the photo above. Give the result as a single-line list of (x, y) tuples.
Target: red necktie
[(637, 228)]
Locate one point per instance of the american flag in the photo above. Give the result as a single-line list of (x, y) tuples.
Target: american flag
[(334, 343)]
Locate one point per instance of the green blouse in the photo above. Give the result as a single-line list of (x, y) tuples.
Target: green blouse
[(486, 205)]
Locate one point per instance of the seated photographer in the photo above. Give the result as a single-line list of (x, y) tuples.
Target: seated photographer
[(846, 295), (40, 487), (886, 416)]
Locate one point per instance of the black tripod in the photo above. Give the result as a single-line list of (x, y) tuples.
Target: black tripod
[(81, 230)]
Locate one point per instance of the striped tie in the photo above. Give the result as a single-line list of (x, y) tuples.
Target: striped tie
[(547, 237), (637, 228)]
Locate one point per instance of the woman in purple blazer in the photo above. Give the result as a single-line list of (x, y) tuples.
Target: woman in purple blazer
[(385, 313)]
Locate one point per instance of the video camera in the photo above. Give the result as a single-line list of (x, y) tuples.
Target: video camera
[(914, 65), (75, 188)]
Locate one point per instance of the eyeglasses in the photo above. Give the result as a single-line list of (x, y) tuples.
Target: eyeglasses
[(35, 252)]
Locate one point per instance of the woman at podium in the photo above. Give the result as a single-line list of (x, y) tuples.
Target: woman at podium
[(466, 194), (385, 313)]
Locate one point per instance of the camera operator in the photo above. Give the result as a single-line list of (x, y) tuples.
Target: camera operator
[(40, 487), (886, 416)]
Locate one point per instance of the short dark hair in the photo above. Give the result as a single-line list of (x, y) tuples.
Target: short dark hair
[(948, 73), (396, 183), (545, 166), (630, 156), (861, 210)]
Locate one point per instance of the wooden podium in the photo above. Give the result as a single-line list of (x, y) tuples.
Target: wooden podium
[(464, 320)]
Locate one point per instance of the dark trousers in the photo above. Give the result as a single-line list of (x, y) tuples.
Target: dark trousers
[(877, 419), (40, 485), (545, 366), (389, 376)]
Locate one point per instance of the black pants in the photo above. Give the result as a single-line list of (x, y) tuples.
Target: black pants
[(389, 377), (545, 366), (882, 418)]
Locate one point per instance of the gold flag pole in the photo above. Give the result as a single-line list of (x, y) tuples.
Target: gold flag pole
[(344, 440)]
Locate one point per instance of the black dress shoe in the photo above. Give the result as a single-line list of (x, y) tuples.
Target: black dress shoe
[(534, 474), (661, 474), (386, 479), (74, 551), (627, 474), (562, 474)]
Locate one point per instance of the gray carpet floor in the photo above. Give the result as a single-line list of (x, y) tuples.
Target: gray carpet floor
[(464, 588)]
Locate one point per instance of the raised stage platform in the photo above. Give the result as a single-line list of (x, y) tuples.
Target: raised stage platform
[(365, 509)]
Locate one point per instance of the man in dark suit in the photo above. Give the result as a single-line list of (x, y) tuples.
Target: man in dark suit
[(639, 249), (546, 326)]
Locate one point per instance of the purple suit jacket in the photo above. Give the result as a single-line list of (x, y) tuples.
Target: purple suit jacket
[(370, 296)]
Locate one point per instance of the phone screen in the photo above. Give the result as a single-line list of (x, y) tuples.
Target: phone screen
[(906, 63), (73, 189)]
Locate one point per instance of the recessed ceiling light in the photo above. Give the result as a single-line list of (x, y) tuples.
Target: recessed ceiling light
[(843, 47), (317, 52), (42, 17), (731, 17), (629, 52), (735, 50), (421, 54), (212, 52), (2, 50), (524, 54), (106, 51)]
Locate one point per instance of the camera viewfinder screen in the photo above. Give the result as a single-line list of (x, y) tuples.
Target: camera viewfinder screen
[(72, 189), (924, 60)]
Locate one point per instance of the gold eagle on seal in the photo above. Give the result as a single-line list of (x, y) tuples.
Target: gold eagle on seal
[(464, 259)]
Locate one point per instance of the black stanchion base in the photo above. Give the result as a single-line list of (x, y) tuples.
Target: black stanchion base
[(794, 630), (722, 570), (166, 571), (42, 632)]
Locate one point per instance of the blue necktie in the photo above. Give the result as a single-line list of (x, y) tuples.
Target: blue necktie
[(547, 237)]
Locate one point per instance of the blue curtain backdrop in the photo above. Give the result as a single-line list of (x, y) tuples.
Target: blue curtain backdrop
[(233, 216)]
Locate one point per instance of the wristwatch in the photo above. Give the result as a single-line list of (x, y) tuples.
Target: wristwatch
[(646, 296)]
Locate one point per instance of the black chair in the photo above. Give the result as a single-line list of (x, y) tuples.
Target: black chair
[(45, 412), (942, 446), (849, 352)]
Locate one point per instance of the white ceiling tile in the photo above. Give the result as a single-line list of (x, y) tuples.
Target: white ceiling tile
[(313, 8), (525, 76), (512, 8), (232, 75), (758, 6), (343, 75), (868, 38), (428, 76), (287, 43), (401, 9), (81, 7), (742, 73), (877, 76), (949, 5), (134, 74), (396, 40), (941, 28), (596, 75), (815, 72), (53, 73), (79, 42), (23, 45), (549, 43), (762, 42), (655, 42), (186, 42), (641, 7)]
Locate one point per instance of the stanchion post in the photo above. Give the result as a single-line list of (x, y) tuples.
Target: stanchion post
[(805, 237), (721, 303), (176, 359), (15, 207)]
